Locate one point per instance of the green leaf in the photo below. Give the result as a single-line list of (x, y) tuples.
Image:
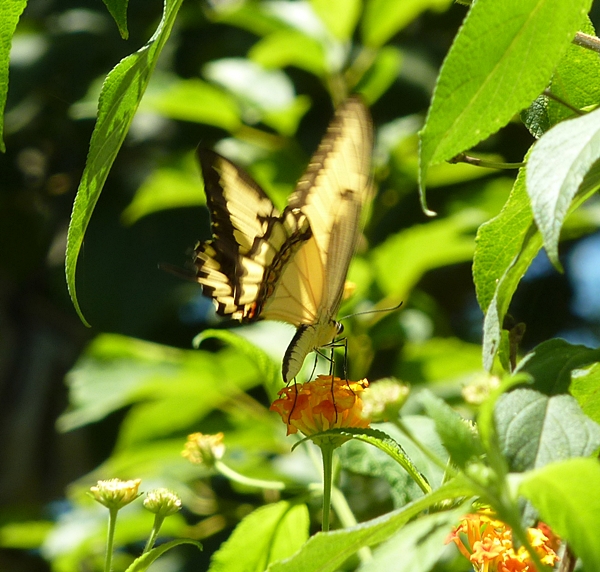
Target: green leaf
[(174, 387), (193, 100), (585, 387), (384, 443), (361, 458), (555, 170), (268, 370), (167, 188), (381, 75), (143, 562), (486, 424), (118, 10), (457, 434), (551, 364), (535, 430), (340, 16), (416, 547), (501, 59), (120, 97), (499, 242), (328, 551), (10, 12), (575, 81), (506, 246), (566, 496), (384, 18), (403, 258), (440, 360), (25, 535), (268, 93), (290, 48), (268, 534)]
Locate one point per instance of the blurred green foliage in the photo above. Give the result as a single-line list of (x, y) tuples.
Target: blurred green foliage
[(110, 112)]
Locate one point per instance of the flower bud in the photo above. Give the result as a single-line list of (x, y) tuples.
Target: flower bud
[(384, 399), (162, 502)]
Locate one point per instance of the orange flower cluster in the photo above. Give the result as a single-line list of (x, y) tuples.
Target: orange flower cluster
[(490, 547), (322, 404)]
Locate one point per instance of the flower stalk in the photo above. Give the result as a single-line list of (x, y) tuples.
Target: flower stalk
[(327, 452), (110, 538)]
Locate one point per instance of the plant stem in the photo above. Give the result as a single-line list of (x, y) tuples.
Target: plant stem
[(347, 519), (112, 521), (587, 41), (327, 451), (258, 483), (158, 520)]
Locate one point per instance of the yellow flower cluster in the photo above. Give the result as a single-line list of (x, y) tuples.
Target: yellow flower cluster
[(489, 544), (202, 449), (325, 403)]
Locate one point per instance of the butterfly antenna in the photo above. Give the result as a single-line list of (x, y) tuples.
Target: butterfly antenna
[(379, 311), (177, 271)]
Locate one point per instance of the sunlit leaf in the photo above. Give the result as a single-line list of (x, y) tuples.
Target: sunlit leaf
[(501, 59), (10, 12), (440, 360), (575, 81), (535, 430), (290, 48), (499, 241), (585, 387), (120, 97), (555, 170), (167, 188), (566, 496), (506, 246), (25, 535), (551, 364), (384, 18), (194, 100), (118, 10), (269, 371), (327, 551), (381, 75), (418, 546), (340, 16), (402, 259), (268, 534), (117, 371), (143, 562), (386, 444), (362, 458)]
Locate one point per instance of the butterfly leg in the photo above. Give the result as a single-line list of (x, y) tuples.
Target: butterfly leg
[(295, 401)]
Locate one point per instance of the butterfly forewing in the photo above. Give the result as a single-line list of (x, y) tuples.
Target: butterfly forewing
[(332, 192)]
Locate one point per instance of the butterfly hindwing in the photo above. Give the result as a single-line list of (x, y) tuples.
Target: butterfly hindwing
[(251, 241)]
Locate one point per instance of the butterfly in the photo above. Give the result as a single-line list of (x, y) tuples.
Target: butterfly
[(289, 266)]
